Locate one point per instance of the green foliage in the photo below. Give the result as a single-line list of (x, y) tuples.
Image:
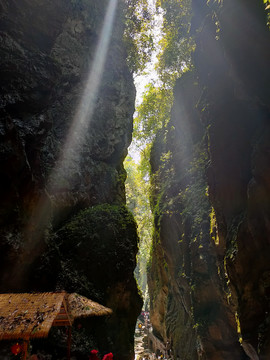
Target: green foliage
[(174, 58), (138, 34), (176, 44), (153, 113), (267, 9), (137, 189)]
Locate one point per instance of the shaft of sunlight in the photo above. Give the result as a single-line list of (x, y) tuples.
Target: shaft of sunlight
[(40, 217), (86, 107)]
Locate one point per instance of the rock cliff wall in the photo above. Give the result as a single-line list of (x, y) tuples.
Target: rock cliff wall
[(62, 160), (210, 174)]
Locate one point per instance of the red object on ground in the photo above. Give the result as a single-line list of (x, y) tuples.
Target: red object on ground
[(16, 349), (108, 356), (93, 355)]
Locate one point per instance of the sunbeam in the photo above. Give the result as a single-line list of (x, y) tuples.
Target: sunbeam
[(84, 113), (40, 219)]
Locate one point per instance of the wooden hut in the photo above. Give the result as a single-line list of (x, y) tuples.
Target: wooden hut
[(26, 316)]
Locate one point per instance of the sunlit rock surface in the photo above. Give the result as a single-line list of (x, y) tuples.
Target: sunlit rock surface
[(47, 49), (209, 277)]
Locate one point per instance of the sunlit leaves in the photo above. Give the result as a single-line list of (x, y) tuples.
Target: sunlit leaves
[(137, 196), (267, 9), (138, 34), (137, 190), (176, 44), (152, 113)]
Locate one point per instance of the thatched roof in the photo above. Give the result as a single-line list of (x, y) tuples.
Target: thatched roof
[(28, 315), (80, 306), (32, 315)]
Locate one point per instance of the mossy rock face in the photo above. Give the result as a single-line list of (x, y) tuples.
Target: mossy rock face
[(100, 244)]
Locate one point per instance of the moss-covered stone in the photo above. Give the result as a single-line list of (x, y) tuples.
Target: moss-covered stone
[(101, 241)]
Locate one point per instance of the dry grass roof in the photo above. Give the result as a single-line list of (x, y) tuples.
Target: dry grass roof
[(80, 306), (28, 315), (32, 315)]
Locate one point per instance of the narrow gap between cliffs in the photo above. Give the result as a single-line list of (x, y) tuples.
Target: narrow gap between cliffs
[(156, 69)]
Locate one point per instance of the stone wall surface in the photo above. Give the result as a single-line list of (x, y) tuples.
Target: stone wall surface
[(52, 172), (210, 268)]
